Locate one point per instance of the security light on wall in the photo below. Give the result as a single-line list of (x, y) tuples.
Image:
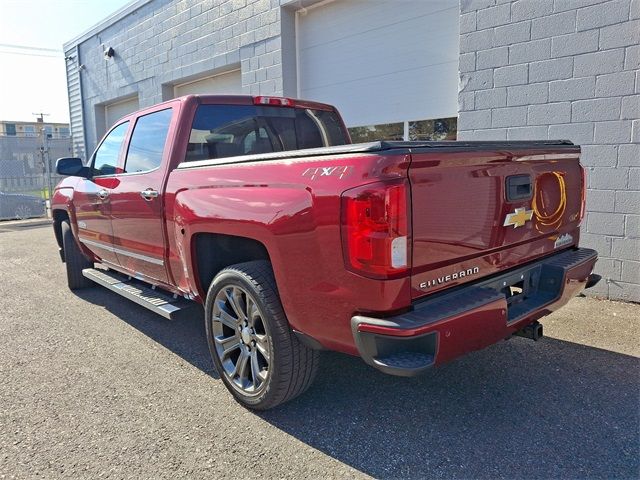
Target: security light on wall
[(109, 52)]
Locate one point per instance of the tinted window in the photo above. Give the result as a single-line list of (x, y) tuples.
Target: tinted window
[(249, 141), (228, 130), (147, 142), (106, 157)]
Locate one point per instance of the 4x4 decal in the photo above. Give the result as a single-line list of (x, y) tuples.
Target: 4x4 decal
[(339, 171)]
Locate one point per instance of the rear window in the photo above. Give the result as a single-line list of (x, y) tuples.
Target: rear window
[(220, 131)]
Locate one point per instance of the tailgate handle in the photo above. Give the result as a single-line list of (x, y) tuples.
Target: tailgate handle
[(518, 187)]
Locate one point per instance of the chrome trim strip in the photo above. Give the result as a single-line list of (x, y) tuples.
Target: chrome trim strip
[(116, 250)]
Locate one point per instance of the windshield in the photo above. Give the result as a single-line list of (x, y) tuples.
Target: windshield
[(220, 131)]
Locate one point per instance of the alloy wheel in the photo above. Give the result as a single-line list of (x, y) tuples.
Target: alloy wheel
[(241, 339)]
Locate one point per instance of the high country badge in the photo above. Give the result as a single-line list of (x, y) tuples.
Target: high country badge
[(563, 240)]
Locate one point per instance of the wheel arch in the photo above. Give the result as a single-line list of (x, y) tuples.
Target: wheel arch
[(59, 216), (213, 252)]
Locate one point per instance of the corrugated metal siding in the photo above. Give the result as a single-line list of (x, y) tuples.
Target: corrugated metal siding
[(74, 91)]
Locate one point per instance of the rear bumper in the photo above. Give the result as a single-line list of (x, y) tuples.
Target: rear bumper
[(472, 317)]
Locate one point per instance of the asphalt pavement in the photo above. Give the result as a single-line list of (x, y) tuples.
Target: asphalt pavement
[(92, 386)]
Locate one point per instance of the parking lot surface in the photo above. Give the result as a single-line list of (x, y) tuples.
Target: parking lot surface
[(94, 386)]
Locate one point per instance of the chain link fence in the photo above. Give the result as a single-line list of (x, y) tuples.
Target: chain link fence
[(27, 173)]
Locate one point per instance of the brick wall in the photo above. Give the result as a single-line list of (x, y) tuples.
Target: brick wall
[(551, 69)]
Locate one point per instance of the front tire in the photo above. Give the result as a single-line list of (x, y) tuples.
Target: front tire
[(258, 357), (74, 260)]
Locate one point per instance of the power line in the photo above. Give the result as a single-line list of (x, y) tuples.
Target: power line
[(30, 54), (26, 47)]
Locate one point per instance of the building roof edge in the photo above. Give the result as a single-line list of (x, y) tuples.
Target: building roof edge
[(105, 23)]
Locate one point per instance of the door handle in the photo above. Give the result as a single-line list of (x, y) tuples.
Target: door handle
[(149, 194), (103, 194)]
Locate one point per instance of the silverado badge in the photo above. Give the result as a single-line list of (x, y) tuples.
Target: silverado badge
[(518, 218)]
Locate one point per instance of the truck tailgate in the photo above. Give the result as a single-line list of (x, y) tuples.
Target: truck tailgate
[(478, 212)]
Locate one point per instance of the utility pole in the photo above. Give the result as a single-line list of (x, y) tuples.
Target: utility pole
[(40, 116), (44, 149)]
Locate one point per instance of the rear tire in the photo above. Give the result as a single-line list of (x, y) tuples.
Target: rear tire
[(74, 259), (257, 355)]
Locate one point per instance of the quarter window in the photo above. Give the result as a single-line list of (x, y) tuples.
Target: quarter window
[(147, 142), (105, 160)]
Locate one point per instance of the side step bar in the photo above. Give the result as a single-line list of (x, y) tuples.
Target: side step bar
[(158, 301)]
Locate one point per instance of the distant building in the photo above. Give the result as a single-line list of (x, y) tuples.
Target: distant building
[(32, 129), (24, 152)]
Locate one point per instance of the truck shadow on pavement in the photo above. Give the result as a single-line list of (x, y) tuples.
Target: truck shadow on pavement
[(519, 409), (185, 337)]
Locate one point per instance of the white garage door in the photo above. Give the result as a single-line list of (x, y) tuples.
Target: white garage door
[(114, 111), (228, 83), (381, 61)]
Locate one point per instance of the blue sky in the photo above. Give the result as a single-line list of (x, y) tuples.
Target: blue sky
[(34, 80)]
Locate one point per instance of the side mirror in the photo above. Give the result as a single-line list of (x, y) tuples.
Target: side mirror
[(71, 167)]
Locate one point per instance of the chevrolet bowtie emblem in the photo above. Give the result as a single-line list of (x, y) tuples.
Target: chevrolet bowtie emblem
[(518, 218)]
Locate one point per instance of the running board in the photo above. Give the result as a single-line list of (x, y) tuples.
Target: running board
[(156, 300)]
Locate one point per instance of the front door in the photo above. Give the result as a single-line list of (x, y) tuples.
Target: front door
[(137, 202), (91, 196)]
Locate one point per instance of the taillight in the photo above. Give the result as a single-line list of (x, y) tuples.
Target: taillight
[(583, 204), (375, 229), (277, 101)]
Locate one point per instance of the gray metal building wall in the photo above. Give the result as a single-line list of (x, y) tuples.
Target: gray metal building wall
[(75, 101), (538, 69), (160, 43)]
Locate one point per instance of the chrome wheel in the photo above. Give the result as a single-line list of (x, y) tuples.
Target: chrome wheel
[(241, 339)]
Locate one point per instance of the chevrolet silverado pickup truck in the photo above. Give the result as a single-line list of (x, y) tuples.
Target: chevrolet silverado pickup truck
[(407, 254)]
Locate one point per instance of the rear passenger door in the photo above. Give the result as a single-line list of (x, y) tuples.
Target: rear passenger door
[(137, 203)]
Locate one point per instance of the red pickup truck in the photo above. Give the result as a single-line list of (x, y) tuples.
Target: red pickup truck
[(407, 254)]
